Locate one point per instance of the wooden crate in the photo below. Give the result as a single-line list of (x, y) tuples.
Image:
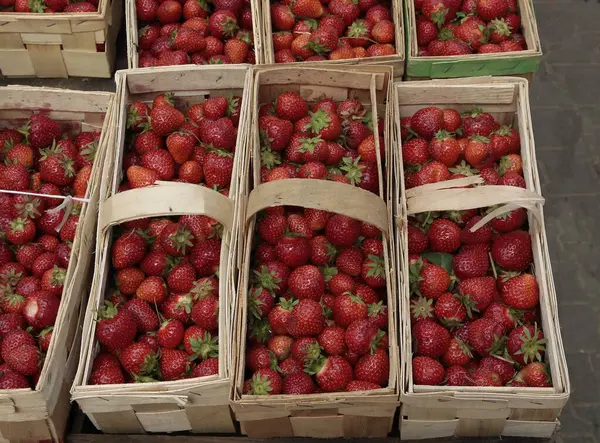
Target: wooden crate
[(41, 413), (442, 411), (361, 414), (474, 65), (199, 405), (60, 45), (132, 26), (395, 61)]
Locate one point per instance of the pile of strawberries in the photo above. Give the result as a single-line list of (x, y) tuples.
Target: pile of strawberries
[(196, 147), (48, 6), (460, 27), (160, 321), (312, 30), (178, 32), (327, 141), (317, 319), (40, 157), (440, 144), (474, 301)]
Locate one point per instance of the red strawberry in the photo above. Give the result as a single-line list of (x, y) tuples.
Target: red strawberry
[(362, 336), (290, 106), (427, 371), (116, 328), (477, 122), (430, 339), (478, 152), (205, 312), (170, 334), (173, 364), (223, 24), (449, 310), (490, 9), (437, 12), (432, 280), (298, 384), (457, 376), (24, 359), (40, 131), (485, 336), (20, 231), (152, 290), (307, 282), (374, 368), (280, 346), (342, 231), (15, 338), (138, 359), (210, 366), (427, 121), (444, 236), (347, 9), (470, 264), (306, 319), (373, 271), (503, 368), (444, 148), (218, 168), (426, 32), (331, 373), (145, 317), (282, 17), (266, 382), (485, 377), (534, 375), (512, 251), (128, 250), (481, 235), (458, 353), (41, 309), (13, 380), (477, 293), (521, 292)]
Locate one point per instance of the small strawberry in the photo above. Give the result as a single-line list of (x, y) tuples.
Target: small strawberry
[(427, 371), (205, 313), (174, 364), (535, 375), (24, 359), (444, 236), (298, 384), (266, 382)]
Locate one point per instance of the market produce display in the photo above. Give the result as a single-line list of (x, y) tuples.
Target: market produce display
[(455, 27), (41, 158), (317, 312), (174, 32), (195, 146), (160, 320), (328, 141), (441, 144), (312, 30)]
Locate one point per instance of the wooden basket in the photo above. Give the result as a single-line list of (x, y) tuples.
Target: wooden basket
[(319, 415), (41, 413), (443, 411), (474, 65), (60, 45), (201, 404), (395, 61), (132, 33)]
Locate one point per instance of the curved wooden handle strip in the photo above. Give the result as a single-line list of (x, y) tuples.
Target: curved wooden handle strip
[(165, 199), (320, 194)]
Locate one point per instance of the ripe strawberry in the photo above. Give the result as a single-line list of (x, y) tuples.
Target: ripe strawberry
[(331, 373), (457, 376), (280, 346), (41, 309), (128, 250), (282, 17), (165, 118), (298, 384), (427, 371), (173, 364), (12, 302), (362, 336), (444, 236), (13, 380), (490, 9), (477, 122), (444, 148), (223, 24), (478, 152), (432, 280), (306, 319), (116, 328), (210, 366), (373, 271), (138, 359), (349, 261), (470, 264), (452, 120), (170, 334), (218, 168), (347, 9), (53, 280), (40, 131), (128, 280), (481, 235), (503, 368), (489, 48), (415, 152), (205, 312), (534, 375), (14, 178), (373, 367), (145, 317), (348, 308), (205, 257), (521, 292), (383, 32), (342, 231), (80, 7), (20, 231), (449, 310), (24, 359), (426, 32), (307, 282), (512, 251), (176, 240), (430, 339), (471, 31), (266, 382), (458, 353), (485, 377), (152, 290), (290, 106), (237, 50), (512, 179), (486, 336), (15, 338), (307, 8), (426, 122)]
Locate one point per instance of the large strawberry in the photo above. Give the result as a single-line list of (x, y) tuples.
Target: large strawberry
[(116, 328)]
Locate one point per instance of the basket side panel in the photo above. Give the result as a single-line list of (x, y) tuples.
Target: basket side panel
[(210, 419), (47, 61)]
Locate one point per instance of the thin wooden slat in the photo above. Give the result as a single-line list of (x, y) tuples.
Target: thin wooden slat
[(11, 41), (16, 24), (16, 62), (41, 39), (81, 41), (47, 61), (83, 64)]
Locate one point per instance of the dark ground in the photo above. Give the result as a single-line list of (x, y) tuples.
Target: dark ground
[(565, 105)]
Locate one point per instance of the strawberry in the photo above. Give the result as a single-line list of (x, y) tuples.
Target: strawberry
[(273, 276), (470, 264), (24, 359), (14, 178), (489, 48), (373, 367), (457, 376), (20, 231), (426, 32), (534, 375), (426, 122), (430, 339), (156, 263), (282, 17), (452, 120), (159, 161), (116, 328), (176, 240), (331, 373), (347, 9), (348, 308), (138, 359), (444, 236), (165, 118), (40, 131), (13, 380), (458, 353), (307, 282), (128, 280), (342, 231), (512, 251), (80, 7), (145, 317), (152, 290), (512, 179), (477, 122), (373, 271), (427, 371), (53, 280), (449, 310), (205, 257), (481, 235), (290, 106), (205, 313), (431, 280), (170, 334), (128, 250), (415, 152), (107, 376), (471, 31), (298, 384), (362, 336), (383, 32), (280, 346), (521, 292), (223, 24), (12, 302), (210, 366), (490, 9), (444, 148), (173, 364), (41, 309), (349, 261), (306, 319), (485, 336), (15, 338), (307, 8), (266, 382), (478, 152), (485, 377), (503, 368), (236, 50), (218, 168)]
